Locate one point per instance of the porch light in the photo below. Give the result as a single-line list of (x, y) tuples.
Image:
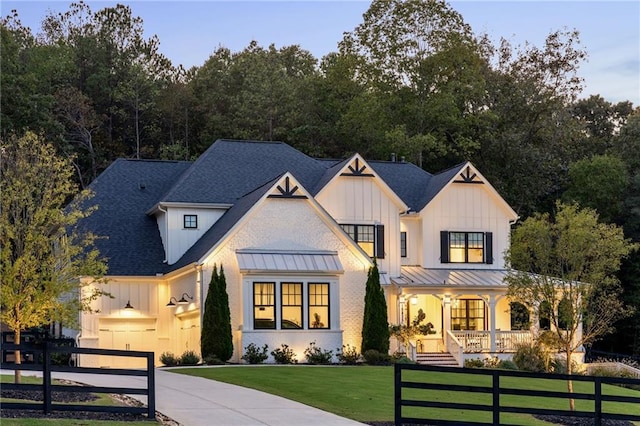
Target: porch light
[(414, 299), (128, 305), (172, 302), (184, 301)]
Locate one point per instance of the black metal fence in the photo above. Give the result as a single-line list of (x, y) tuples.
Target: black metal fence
[(47, 350), (425, 377)]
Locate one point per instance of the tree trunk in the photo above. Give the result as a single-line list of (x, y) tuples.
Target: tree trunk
[(572, 402), (17, 374)]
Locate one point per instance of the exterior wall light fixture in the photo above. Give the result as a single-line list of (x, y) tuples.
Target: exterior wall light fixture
[(173, 302), (128, 305)]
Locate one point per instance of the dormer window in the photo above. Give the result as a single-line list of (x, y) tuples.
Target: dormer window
[(190, 221), (370, 238), (466, 247)]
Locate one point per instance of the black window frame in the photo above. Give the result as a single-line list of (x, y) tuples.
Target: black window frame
[(285, 299), (264, 323), (376, 230), (323, 324), (190, 221), (487, 247), (466, 318), (403, 244)]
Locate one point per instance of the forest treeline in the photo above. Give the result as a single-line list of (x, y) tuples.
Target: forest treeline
[(412, 79)]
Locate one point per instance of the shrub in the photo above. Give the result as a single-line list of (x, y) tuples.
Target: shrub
[(349, 355), (559, 366), (189, 358), (533, 358), (255, 355), (373, 357), (401, 360), (212, 360), (169, 359), (284, 355), (315, 355), (507, 364), (473, 363)]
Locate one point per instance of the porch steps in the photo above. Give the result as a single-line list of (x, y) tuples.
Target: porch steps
[(443, 359)]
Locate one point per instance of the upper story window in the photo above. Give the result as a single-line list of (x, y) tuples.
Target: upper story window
[(403, 244), (369, 237), (190, 221), (466, 247)]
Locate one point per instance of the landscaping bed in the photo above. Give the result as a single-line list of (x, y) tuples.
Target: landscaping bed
[(74, 398)]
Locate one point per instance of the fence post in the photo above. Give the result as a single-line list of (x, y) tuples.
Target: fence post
[(597, 421), (46, 377), (397, 394), (151, 387), (496, 396)]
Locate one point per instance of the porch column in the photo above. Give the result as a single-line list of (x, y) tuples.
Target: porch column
[(493, 301), (446, 319)]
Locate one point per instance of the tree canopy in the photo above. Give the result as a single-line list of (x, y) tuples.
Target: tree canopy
[(569, 262), (43, 254), (413, 79)]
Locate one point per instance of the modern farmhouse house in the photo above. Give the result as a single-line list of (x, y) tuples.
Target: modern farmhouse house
[(296, 237)]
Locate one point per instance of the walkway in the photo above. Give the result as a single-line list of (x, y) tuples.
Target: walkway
[(194, 401)]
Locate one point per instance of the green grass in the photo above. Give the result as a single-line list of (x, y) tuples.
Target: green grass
[(365, 393)]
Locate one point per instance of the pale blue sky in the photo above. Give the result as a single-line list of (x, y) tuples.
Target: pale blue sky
[(190, 31)]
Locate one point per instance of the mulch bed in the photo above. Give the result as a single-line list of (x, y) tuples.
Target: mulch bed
[(75, 397)]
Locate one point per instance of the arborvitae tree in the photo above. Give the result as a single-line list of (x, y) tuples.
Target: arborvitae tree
[(216, 339), (375, 328), (207, 337), (223, 327)]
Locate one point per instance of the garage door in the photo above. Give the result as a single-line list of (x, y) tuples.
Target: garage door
[(130, 335)]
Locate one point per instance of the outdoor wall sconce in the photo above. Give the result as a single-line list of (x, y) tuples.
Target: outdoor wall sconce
[(414, 299), (128, 305), (183, 301)]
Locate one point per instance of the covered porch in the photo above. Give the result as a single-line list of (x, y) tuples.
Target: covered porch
[(468, 310)]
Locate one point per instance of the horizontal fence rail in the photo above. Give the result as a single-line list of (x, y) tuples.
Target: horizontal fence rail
[(46, 367), (425, 378)]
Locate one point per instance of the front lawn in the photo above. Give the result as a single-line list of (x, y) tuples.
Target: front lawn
[(365, 393)]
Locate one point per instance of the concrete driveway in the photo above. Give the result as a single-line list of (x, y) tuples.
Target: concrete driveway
[(194, 401)]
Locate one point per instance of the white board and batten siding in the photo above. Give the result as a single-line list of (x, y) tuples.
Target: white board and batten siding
[(175, 237), (362, 201), (465, 207), (114, 327)]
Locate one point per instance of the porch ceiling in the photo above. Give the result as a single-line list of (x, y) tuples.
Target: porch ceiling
[(415, 276)]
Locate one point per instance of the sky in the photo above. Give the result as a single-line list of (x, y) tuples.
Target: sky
[(190, 31)]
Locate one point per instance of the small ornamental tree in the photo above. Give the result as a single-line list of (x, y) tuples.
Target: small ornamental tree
[(216, 340), (375, 328), (43, 249), (569, 263)]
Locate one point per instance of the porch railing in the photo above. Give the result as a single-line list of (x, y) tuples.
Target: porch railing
[(455, 348), (480, 341)]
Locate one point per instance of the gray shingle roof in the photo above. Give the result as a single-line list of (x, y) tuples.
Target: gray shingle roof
[(123, 193), (229, 169), (229, 172)]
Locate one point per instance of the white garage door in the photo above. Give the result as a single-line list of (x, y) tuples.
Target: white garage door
[(129, 334)]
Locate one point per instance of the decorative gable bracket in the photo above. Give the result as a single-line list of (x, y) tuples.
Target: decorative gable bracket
[(288, 191), (357, 169), (467, 176)]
